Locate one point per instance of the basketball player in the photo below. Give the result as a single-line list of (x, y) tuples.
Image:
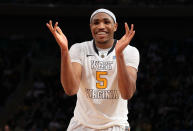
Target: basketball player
[(102, 72)]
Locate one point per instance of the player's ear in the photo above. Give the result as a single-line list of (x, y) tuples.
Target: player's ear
[(90, 27), (115, 26)]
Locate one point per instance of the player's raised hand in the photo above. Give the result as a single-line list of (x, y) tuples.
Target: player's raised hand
[(58, 34), (125, 40)]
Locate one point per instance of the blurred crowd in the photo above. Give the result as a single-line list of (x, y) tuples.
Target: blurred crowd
[(11, 64), (163, 100), (103, 2)]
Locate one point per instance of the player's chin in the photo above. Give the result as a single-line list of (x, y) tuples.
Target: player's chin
[(101, 40)]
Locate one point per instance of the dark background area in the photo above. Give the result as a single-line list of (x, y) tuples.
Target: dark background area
[(31, 96)]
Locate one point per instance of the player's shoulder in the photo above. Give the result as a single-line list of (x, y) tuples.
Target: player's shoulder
[(131, 48)]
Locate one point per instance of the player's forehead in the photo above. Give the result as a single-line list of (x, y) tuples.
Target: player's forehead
[(102, 16)]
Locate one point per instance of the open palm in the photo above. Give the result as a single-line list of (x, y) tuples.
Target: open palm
[(125, 40), (58, 34)]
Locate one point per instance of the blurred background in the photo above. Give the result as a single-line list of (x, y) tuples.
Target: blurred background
[(31, 96)]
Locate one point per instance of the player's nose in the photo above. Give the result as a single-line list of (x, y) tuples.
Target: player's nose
[(101, 25)]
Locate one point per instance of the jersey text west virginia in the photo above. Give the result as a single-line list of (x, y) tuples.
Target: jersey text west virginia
[(101, 65)]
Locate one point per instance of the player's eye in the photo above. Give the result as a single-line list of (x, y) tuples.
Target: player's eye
[(107, 22), (96, 22)]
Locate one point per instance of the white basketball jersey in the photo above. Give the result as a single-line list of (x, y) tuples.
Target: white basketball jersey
[(99, 103)]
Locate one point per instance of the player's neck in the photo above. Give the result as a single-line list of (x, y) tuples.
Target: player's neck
[(105, 45)]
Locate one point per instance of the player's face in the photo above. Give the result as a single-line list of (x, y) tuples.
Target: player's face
[(102, 28)]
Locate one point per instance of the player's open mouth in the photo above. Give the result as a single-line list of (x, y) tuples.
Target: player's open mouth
[(101, 33)]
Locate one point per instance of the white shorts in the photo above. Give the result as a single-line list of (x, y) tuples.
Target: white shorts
[(76, 126)]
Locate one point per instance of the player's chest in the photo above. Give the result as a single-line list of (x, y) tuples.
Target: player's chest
[(95, 63)]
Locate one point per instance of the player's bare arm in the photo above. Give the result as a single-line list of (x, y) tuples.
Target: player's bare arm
[(70, 72), (126, 75)]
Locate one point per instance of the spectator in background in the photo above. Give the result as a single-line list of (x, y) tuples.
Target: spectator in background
[(7, 128)]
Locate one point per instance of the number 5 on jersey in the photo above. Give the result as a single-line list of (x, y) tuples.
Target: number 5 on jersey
[(102, 82)]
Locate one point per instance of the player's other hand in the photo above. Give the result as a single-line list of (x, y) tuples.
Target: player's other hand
[(125, 40), (58, 34)]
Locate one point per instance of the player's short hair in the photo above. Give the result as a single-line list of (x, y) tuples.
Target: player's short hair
[(103, 11)]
